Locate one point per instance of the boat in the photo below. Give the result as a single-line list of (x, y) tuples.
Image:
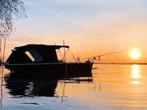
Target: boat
[(41, 61)]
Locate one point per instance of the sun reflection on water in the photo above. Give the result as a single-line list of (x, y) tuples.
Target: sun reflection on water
[(135, 74)]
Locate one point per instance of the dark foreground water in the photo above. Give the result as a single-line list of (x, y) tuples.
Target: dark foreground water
[(114, 87)]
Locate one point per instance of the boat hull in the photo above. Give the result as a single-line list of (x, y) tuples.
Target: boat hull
[(51, 70)]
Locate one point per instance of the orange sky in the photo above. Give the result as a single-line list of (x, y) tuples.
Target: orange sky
[(93, 29), (86, 44)]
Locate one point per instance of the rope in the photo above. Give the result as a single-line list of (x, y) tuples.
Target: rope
[(65, 53), (72, 55)]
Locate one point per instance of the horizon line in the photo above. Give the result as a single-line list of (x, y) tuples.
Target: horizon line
[(119, 63)]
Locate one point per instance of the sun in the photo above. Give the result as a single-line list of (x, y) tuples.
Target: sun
[(135, 54)]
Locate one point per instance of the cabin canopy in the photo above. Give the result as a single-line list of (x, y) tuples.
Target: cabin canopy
[(37, 53)]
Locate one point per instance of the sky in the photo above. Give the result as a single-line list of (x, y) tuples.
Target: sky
[(90, 27)]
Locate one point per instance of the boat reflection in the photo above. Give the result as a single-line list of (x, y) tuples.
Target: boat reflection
[(28, 86), (25, 87), (135, 70)]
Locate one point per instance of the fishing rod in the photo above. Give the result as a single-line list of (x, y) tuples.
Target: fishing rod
[(99, 56)]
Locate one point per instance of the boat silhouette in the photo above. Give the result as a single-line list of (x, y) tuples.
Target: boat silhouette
[(41, 61)]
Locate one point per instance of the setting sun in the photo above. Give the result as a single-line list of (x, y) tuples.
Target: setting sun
[(135, 54)]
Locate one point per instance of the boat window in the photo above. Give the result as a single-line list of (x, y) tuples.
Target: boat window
[(59, 55), (36, 55), (30, 56)]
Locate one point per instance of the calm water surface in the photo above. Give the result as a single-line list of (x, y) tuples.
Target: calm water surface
[(116, 87)]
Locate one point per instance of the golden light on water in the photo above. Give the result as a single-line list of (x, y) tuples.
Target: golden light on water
[(135, 54), (135, 74)]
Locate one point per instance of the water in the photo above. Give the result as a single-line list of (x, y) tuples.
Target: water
[(114, 87)]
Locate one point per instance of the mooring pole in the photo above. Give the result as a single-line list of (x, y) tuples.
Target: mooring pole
[(65, 76), (4, 50), (2, 65)]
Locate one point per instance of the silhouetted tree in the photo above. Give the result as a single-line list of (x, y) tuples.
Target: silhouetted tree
[(9, 9)]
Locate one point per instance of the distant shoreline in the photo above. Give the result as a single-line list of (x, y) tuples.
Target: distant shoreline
[(123, 63)]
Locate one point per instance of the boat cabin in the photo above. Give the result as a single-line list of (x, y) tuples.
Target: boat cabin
[(34, 53)]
